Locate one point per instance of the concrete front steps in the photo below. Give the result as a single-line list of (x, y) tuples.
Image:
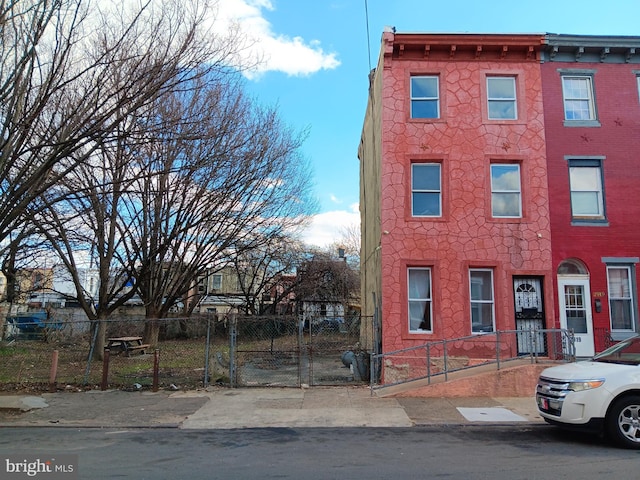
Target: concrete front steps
[(516, 378)]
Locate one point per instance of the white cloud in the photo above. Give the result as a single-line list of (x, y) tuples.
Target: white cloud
[(291, 55), (326, 228)]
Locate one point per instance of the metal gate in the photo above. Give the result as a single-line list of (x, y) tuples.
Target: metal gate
[(529, 314), (287, 351)]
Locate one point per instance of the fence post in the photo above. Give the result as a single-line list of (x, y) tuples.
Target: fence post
[(530, 345), (444, 361), (105, 369), (303, 370), (429, 363), (205, 381), (233, 338), (156, 367), (371, 371)]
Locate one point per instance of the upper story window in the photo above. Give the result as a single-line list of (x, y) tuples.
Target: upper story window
[(620, 298), (501, 98), (579, 100), (216, 281), (587, 198), (38, 281), (638, 82), (425, 97), (506, 195), (482, 310), (419, 295), (426, 190)]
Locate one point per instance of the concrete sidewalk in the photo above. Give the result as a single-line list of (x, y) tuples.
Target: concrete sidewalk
[(225, 408)]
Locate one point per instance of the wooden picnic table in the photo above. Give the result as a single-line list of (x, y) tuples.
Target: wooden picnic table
[(126, 345)]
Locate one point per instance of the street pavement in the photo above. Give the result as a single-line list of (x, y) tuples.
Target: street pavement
[(227, 408)]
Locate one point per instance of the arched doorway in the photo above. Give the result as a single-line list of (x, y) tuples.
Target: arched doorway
[(574, 301)]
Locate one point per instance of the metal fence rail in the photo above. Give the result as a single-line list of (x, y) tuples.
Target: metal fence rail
[(26, 361), (440, 358), (192, 352), (290, 351)]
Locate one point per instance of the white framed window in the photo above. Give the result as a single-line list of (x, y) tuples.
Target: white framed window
[(482, 303), (585, 182), (420, 304), (426, 190), (216, 281), (501, 98), (638, 83), (620, 298), (425, 97), (506, 194), (577, 92)]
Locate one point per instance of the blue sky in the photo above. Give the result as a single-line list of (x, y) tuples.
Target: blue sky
[(317, 62)]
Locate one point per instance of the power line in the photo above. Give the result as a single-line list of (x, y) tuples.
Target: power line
[(366, 13)]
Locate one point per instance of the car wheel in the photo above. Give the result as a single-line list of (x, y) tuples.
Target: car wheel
[(623, 422)]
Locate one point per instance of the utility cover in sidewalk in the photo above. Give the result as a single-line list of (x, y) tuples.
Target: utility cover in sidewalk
[(488, 414)]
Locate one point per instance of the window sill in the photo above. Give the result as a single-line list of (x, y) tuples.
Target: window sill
[(582, 123), (620, 335), (413, 219), (589, 223), (496, 121), (427, 120), (507, 219), (423, 336)]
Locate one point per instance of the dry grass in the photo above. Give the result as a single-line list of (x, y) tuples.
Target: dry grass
[(26, 365)]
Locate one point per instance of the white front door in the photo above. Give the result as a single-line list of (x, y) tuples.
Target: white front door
[(575, 312)]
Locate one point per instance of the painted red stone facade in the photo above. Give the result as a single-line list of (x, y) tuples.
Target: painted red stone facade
[(547, 243), (612, 139), (465, 142)]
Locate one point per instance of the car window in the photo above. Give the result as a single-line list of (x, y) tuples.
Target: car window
[(626, 352)]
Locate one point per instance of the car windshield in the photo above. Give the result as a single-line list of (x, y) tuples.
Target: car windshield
[(626, 352)]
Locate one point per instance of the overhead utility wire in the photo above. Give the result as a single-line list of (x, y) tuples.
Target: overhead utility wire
[(366, 13)]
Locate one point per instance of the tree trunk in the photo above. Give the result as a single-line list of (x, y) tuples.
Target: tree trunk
[(100, 338), (151, 332)]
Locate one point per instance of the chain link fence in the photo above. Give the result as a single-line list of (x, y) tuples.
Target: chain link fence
[(27, 356), (191, 353), (288, 351)]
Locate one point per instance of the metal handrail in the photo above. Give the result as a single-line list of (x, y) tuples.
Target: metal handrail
[(567, 353)]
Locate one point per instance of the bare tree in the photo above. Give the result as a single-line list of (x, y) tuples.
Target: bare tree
[(225, 175), (348, 244), (69, 75), (21, 250), (83, 141), (326, 278), (261, 270)]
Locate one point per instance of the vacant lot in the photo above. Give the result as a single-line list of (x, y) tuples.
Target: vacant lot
[(26, 365)]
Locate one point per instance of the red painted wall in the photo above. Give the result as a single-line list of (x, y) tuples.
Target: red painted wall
[(466, 236), (617, 139)]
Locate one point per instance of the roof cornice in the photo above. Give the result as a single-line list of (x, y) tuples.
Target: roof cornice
[(591, 48), (463, 46)]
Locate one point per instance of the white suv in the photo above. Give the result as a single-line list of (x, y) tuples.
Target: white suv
[(602, 394)]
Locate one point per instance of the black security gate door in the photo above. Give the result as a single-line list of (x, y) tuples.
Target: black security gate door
[(529, 314)]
